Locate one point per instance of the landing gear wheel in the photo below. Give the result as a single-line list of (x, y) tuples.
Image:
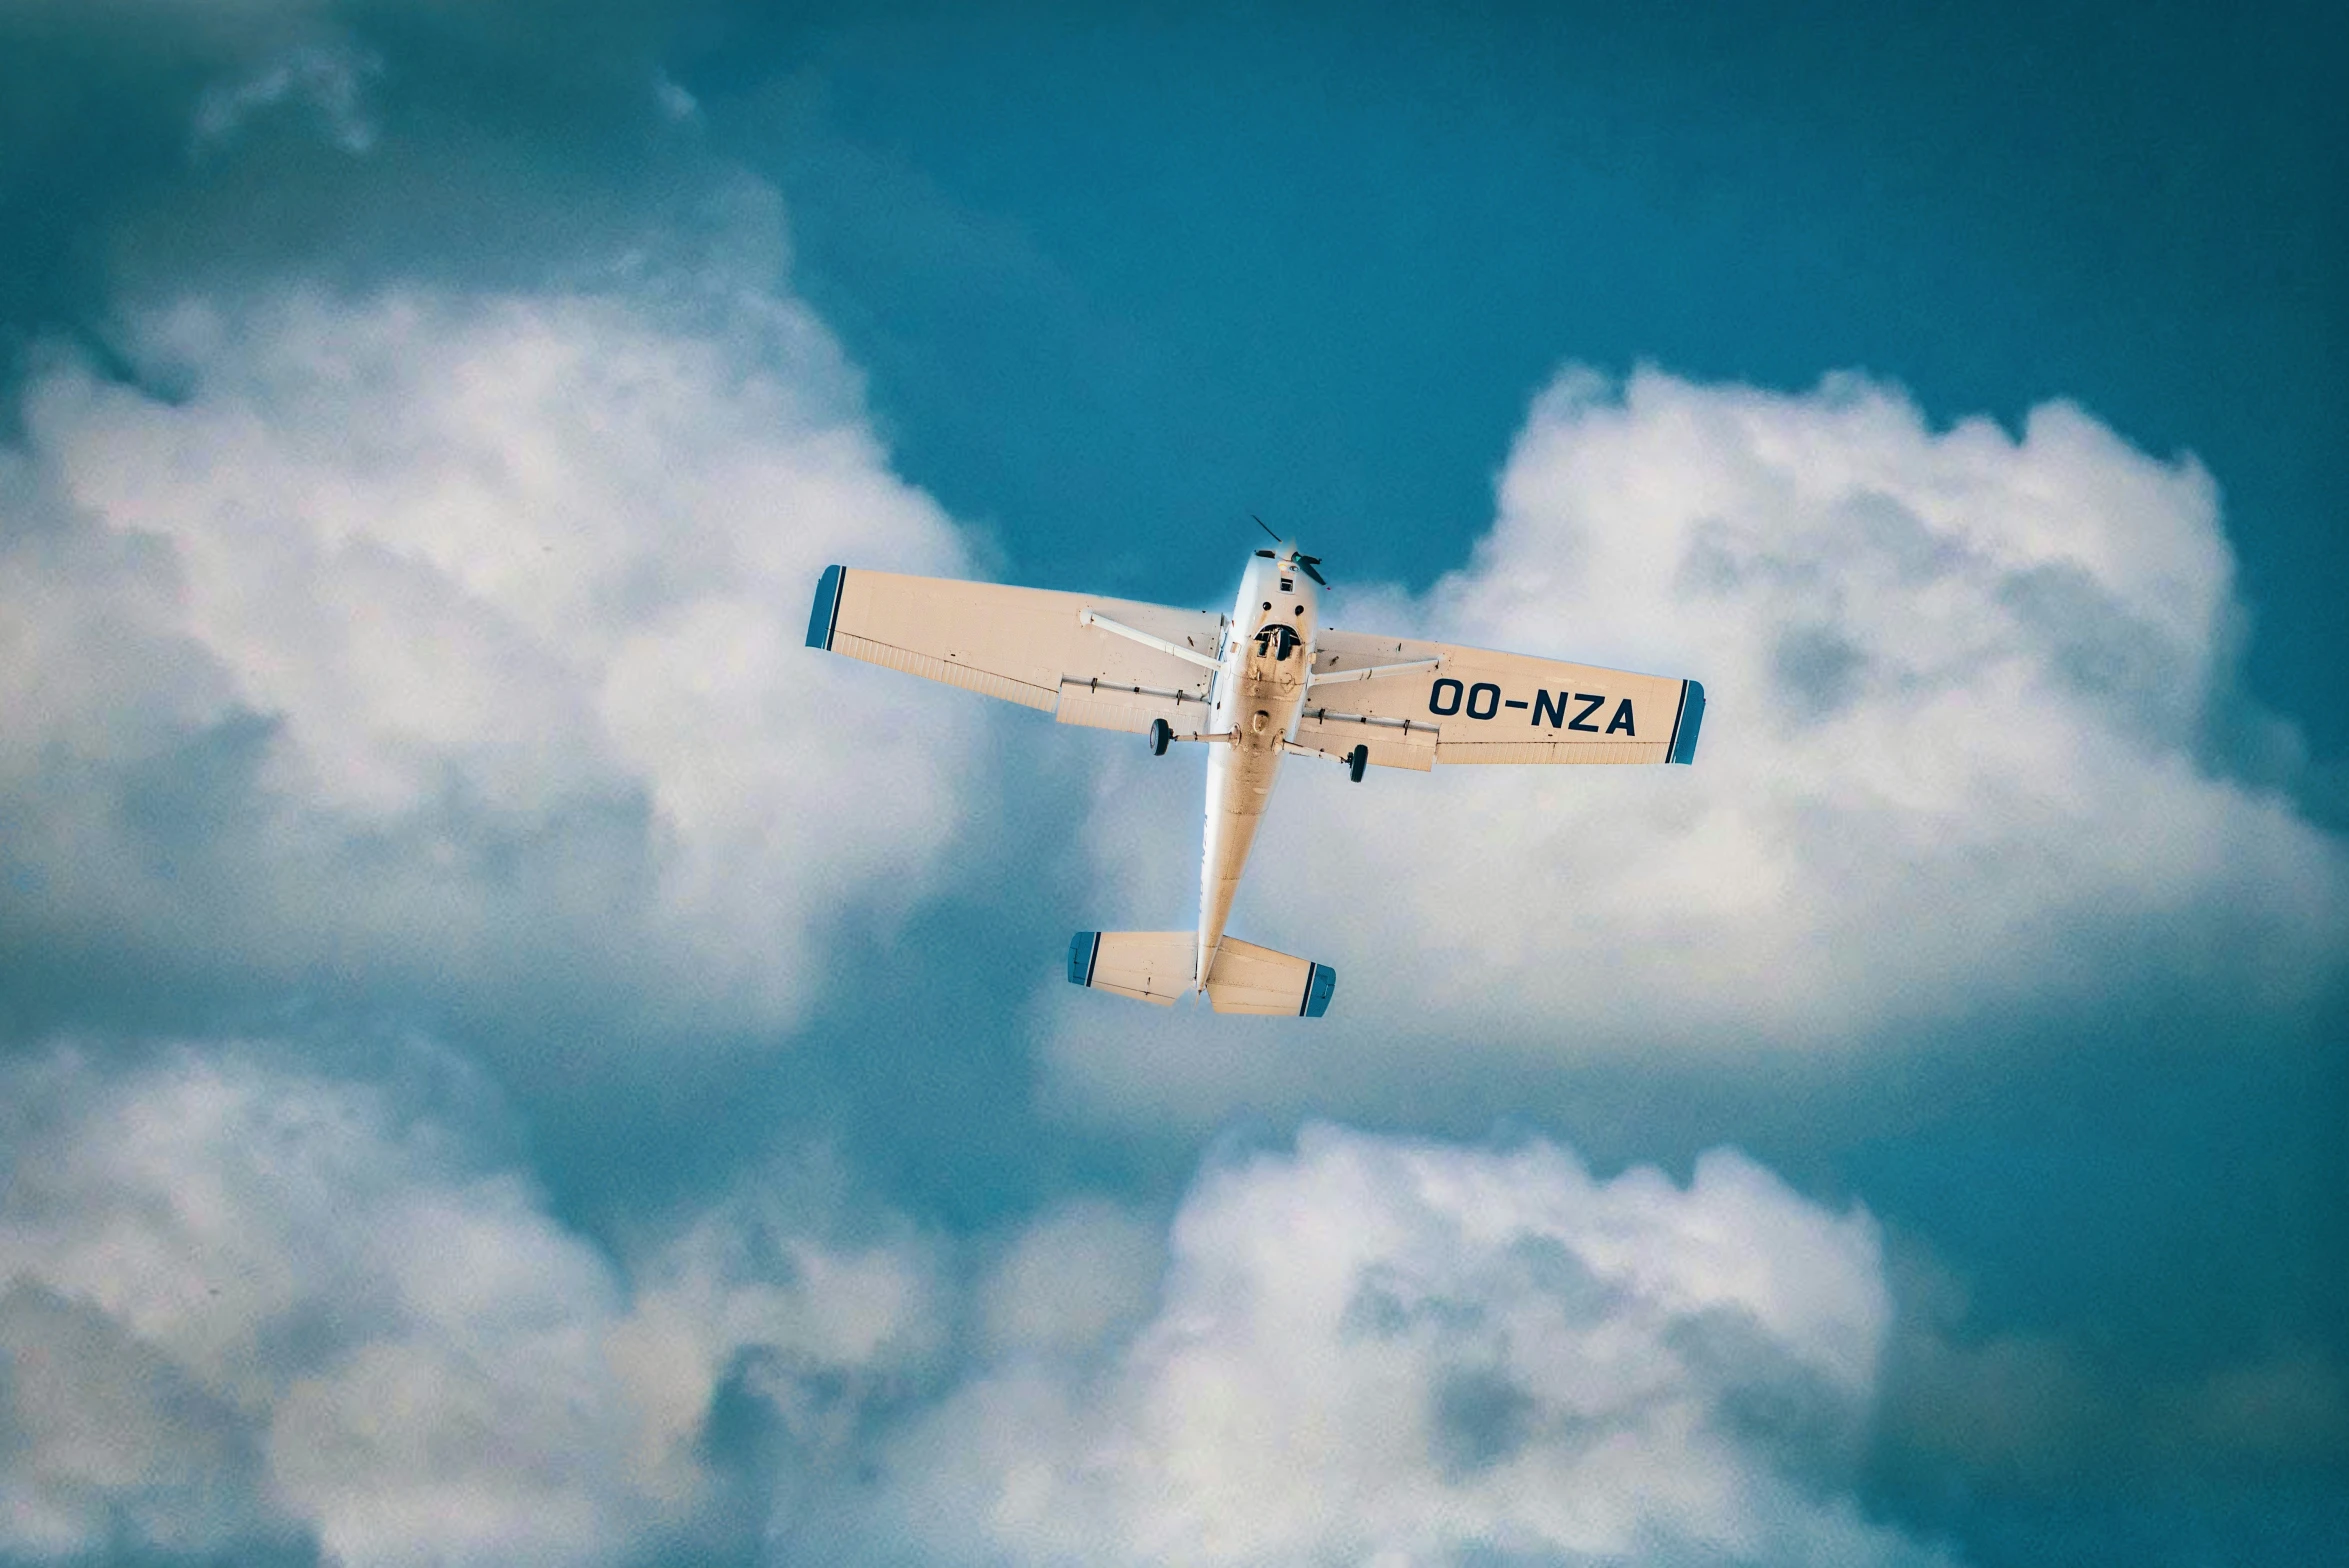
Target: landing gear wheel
[(1160, 734), (1356, 761)]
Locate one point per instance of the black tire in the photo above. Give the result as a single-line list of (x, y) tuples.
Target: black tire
[(1356, 761), (1161, 733)]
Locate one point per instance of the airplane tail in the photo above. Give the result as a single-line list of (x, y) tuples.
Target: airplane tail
[(1159, 966)]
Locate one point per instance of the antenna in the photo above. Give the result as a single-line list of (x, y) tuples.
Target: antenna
[(1267, 527)]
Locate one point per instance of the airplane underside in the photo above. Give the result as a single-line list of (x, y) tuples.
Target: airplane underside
[(1255, 686)]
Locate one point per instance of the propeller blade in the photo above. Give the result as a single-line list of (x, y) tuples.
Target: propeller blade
[(1305, 563)]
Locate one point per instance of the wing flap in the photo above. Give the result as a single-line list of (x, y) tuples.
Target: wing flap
[(1129, 708), (1393, 743)]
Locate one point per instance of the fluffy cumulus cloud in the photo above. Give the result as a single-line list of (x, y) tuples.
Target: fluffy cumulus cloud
[(245, 1306), (431, 634), (1961, 686), (241, 1304), (1373, 1350), (1072, 1281)]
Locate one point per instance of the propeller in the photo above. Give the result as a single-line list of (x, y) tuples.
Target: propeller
[(1305, 563)]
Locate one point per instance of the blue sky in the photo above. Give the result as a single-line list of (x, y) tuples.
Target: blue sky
[(509, 1057)]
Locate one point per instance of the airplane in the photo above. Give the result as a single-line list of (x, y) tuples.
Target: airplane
[(1256, 686)]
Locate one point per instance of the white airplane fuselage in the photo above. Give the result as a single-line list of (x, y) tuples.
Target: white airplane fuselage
[(1259, 694)]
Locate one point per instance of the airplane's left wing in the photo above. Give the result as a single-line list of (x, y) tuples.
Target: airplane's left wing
[(1109, 663), (1415, 704)]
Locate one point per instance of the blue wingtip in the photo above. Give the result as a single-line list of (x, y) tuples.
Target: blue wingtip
[(1692, 718), (826, 612), (1081, 949), (1318, 990)]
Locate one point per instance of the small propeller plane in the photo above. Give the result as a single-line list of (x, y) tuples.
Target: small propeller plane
[(1255, 687)]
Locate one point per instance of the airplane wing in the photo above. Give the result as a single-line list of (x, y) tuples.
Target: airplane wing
[(1109, 663), (1416, 704)]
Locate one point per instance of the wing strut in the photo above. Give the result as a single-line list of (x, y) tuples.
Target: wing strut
[(1120, 629), (1367, 673)]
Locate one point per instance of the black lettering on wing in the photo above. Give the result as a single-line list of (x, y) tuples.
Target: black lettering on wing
[(1590, 705)]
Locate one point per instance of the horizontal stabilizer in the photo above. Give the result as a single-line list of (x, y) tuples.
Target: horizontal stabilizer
[(1157, 966), (1150, 966), (1251, 979)]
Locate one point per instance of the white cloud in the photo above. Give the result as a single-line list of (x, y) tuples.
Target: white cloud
[(244, 1303), (674, 101), (460, 637), (330, 78), (1958, 685), (1386, 1351), (241, 1302), (1070, 1282)]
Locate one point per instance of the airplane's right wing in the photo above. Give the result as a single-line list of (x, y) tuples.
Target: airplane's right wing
[(1415, 704), (1109, 663)]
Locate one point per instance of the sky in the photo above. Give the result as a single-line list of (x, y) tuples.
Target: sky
[(508, 1056)]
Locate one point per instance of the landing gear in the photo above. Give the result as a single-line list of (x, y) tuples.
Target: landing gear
[(1161, 733), (1356, 761)]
